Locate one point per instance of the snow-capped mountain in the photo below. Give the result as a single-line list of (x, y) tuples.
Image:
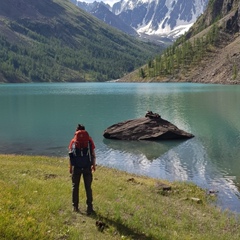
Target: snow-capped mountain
[(160, 17), (170, 18)]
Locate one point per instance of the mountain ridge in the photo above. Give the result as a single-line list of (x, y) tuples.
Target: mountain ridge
[(151, 18)]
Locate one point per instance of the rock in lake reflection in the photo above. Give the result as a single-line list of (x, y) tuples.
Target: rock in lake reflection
[(150, 149)]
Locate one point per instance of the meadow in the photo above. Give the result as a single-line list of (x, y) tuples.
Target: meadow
[(35, 203)]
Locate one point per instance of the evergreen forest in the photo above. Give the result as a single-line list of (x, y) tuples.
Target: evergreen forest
[(182, 56)]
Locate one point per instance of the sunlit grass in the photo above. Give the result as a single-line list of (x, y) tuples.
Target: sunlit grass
[(35, 203)]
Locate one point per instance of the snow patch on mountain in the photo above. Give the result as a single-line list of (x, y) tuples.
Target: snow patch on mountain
[(160, 16)]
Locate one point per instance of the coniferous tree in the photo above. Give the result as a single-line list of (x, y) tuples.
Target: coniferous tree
[(235, 71), (142, 73)]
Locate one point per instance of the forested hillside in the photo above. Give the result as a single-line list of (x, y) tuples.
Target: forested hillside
[(209, 52), (53, 40)]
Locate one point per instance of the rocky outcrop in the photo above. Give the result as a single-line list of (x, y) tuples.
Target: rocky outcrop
[(233, 22), (150, 127)]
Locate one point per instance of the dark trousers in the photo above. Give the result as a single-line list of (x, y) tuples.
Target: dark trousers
[(87, 178)]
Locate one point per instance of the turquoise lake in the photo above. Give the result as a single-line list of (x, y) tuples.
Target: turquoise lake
[(40, 119)]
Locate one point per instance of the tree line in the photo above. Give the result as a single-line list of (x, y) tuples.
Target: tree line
[(46, 58)]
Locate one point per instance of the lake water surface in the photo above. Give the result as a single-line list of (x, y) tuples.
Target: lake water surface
[(40, 119)]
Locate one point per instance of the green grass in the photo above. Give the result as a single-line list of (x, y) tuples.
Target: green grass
[(35, 203)]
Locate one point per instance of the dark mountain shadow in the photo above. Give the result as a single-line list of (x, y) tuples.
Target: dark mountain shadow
[(30, 9), (151, 149)]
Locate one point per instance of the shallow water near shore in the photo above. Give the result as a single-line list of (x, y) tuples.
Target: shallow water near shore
[(40, 119)]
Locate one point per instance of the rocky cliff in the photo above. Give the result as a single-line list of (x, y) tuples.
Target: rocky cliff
[(224, 12)]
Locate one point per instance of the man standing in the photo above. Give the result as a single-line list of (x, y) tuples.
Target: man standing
[(82, 162)]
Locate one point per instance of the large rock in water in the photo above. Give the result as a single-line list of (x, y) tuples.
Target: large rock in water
[(151, 127)]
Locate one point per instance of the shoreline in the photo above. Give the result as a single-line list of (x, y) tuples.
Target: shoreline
[(36, 198)]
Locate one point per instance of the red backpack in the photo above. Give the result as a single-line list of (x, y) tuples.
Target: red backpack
[(81, 139)]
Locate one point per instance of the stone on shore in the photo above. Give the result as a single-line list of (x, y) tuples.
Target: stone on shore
[(150, 127)]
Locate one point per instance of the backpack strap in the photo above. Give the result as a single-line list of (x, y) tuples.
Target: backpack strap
[(90, 151)]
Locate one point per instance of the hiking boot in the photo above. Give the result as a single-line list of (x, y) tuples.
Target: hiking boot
[(75, 209), (90, 211)]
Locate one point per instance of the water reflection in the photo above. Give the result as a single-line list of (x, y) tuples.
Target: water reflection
[(150, 149)]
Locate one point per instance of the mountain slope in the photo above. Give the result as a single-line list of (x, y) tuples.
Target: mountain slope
[(102, 12), (208, 53), (52, 40)]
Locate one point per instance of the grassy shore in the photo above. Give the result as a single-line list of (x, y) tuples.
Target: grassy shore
[(35, 203)]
